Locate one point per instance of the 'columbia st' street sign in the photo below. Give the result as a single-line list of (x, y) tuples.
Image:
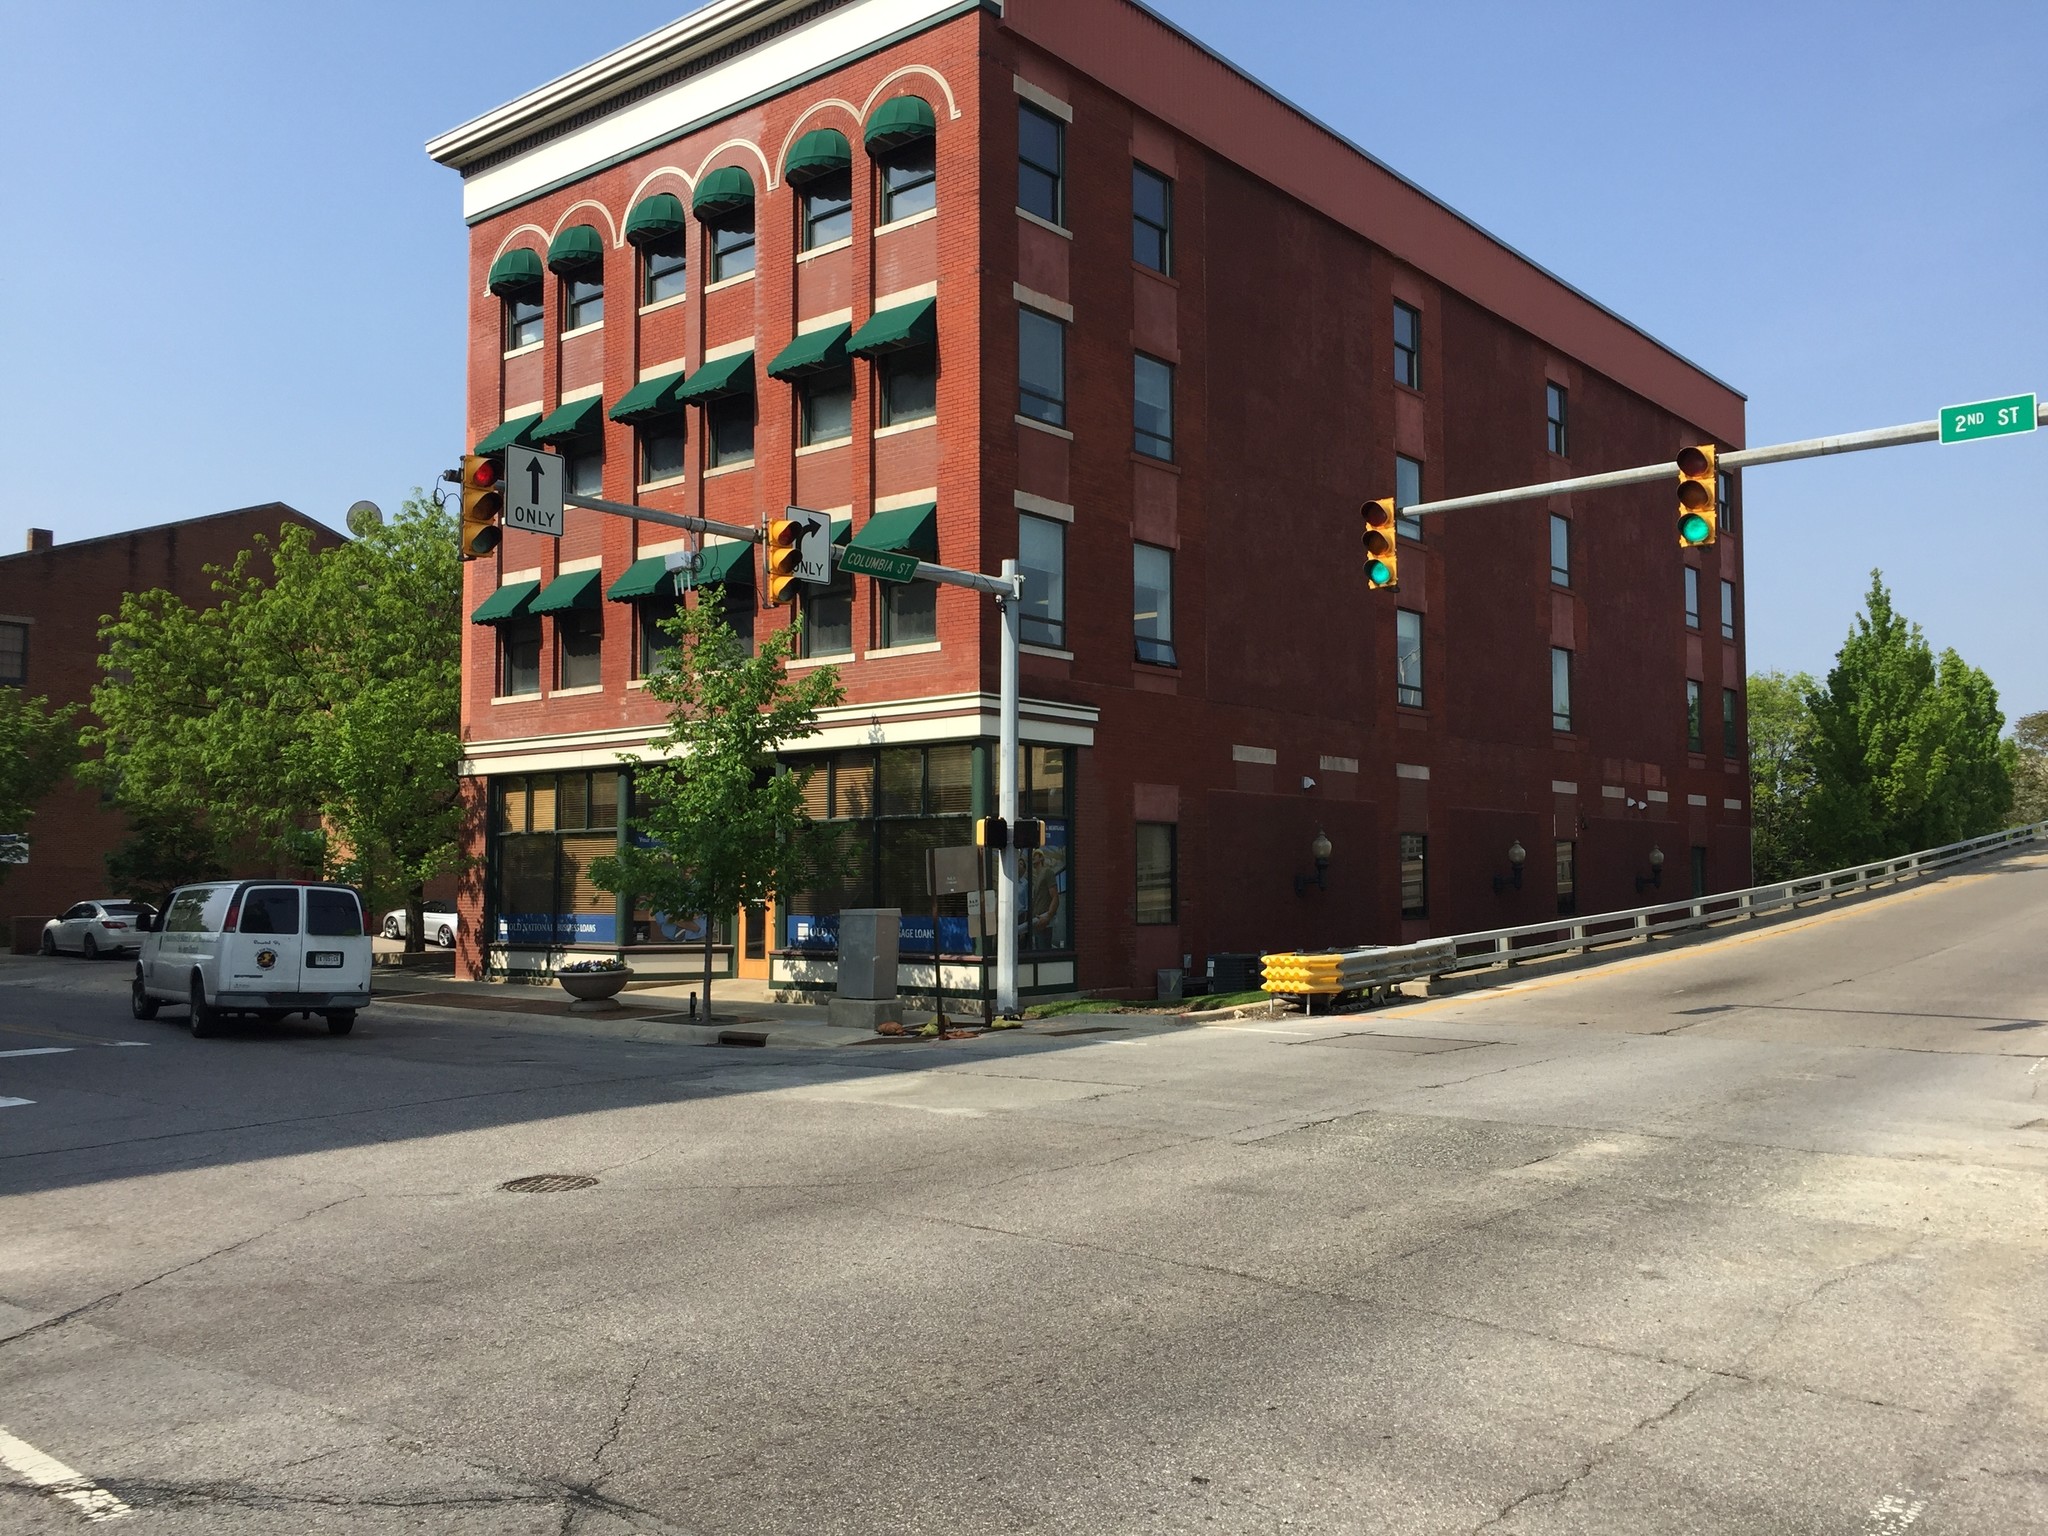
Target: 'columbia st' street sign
[(882, 564)]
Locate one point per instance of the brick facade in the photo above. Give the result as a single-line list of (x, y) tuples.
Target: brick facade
[(1291, 248)]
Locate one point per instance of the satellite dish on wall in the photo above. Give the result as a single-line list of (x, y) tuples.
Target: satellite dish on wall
[(364, 518)]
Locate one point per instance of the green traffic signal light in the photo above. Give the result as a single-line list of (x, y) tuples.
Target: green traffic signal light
[(1694, 529)]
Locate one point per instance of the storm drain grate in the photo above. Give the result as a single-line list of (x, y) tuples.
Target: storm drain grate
[(547, 1183)]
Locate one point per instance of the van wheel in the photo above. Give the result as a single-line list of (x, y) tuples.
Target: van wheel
[(140, 1002), (205, 1021), (341, 1023)]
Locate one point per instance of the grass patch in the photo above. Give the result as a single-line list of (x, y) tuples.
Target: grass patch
[(1059, 1007)]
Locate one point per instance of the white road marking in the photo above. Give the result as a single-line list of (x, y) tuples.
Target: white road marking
[(52, 1476), (1893, 1513), (12, 1103), (42, 1050)]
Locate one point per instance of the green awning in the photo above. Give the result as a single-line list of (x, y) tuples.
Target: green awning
[(898, 121), (731, 563), (842, 529), (575, 248), (573, 418), (725, 188), (654, 218), (508, 602), (578, 589), (907, 325), (903, 531), (516, 432), (643, 578), (650, 397), (811, 352), (515, 272), (818, 153), (728, 376)]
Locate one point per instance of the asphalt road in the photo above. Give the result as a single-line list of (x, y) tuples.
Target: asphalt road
[(1747, 1237)]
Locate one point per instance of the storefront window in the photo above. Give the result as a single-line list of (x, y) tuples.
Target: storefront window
[(549, 828), (1045, 912)]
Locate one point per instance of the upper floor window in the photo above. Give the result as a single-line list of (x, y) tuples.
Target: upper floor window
[(909, 385), (576, 256), (523, 322), (826, 401), (1041, 163), (732, 243), (1727, 610), (1041, 367), (582, 301), (1414, 874), (519, 656), (827, 208), (1407, 345), (828, 618), (1152, 603), (583, 466), (1408, 657), (1560, 551), (1560, 689), (1157, 872), (910, 178), (1152, 407), (1151, 219), (1731, 738), (1695, 728), (1407, 492), (910, 612), (1692, 598), (662, 448), (1724, 498), (729, 423), (579, 644), (665, 269), (13, 655), (1555, 405), (1042, 561)]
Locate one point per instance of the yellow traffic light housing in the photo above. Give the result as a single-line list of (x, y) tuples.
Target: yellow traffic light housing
[(785, 553), (1699, 512), (1382, 556), (483, 505)]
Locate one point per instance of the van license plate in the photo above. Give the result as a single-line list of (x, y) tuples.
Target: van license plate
[(327, 957)]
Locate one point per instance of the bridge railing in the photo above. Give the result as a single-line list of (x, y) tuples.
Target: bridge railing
[(1326, 973)]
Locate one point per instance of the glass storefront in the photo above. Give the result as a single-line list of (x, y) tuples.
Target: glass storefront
[(548, 828)]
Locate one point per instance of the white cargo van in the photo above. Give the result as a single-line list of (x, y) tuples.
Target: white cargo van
[(263, 947)]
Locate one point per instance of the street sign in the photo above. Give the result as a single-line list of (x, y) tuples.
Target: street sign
[(1989, 418), (533, 491), (814, 552), (881, 564)]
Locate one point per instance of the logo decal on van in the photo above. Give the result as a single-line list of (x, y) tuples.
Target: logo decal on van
[(266, 958)]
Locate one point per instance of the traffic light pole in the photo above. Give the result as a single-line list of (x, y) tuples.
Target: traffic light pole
[(1008, 590), (1777, 453)]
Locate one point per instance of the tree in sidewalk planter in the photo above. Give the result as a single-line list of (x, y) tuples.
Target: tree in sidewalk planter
[(1905, 748), (38, 745), (309, 718), (718, 824), (1780, 775)]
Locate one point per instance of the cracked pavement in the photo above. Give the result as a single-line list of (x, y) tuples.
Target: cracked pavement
[(1746, 1237)]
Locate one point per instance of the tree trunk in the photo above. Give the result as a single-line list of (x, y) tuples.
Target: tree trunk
[(415, 919), (707, 967)]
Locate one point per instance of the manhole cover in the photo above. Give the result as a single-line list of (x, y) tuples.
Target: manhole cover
[(547, 1183)]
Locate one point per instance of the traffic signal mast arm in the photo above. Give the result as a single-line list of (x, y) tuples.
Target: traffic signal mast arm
[(1739, 458)]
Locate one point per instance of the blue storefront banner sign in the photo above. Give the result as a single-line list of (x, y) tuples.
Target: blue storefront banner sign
[(913, 937), (548, 929)]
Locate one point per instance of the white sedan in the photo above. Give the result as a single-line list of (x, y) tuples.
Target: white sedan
[(95, 928), (437, 918)]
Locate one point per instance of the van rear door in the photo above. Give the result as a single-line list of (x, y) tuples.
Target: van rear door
[(263, 954), (337, 947)]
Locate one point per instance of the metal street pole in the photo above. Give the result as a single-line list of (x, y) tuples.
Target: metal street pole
[(1006, 792), (1777, 453)]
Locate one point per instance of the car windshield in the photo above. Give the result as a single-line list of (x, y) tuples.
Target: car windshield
[(333, 914)]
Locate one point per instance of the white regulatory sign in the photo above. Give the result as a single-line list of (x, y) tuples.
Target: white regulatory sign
[(815, 562), (533, 491)]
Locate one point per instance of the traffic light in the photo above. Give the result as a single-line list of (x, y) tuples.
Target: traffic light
[(482, 506), (785, 554), (1699, 515), (991, 832), (1382, 558), (1027, 832)]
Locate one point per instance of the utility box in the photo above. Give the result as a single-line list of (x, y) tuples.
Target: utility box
[(868, 943)]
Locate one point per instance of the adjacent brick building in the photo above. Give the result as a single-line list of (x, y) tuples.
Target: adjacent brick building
[(53, 599), (1050, 280)]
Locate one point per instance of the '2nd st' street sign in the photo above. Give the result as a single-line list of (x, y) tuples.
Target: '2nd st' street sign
[(1989, 418)]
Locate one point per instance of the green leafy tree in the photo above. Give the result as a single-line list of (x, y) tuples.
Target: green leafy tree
[(1781, 774), (720, 825), (38, 745), (1905, 747), (2030, 771)]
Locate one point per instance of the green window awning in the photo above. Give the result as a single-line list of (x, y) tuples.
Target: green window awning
[(731, 562), (724, 189), (508, 602), (571, 419), (898, 121), (516, 432), (578, 589), (650, 397), (727, 376), (515, 272), (575, 248), (907, 325), (654, 218), (818, 153), (812, 352), (903, 531)]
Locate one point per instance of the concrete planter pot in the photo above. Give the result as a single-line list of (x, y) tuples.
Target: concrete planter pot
[(595, 989)]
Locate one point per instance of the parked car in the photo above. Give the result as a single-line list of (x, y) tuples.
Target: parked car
[(439, 922), (262, 947), (95, 928)]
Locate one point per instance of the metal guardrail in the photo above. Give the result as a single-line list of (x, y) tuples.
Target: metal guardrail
[(1327, 973)]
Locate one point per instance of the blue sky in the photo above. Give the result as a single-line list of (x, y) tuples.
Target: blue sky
[(235, 277)]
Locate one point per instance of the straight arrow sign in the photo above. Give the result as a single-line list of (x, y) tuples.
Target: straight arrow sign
[(533, 491)]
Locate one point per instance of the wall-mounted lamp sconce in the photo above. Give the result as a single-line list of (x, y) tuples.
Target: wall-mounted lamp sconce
[(1656, 875), (1319, 850), (1517, 856)]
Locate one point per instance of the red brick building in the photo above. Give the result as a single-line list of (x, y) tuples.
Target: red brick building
[(53, 599), (1049, 280)]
